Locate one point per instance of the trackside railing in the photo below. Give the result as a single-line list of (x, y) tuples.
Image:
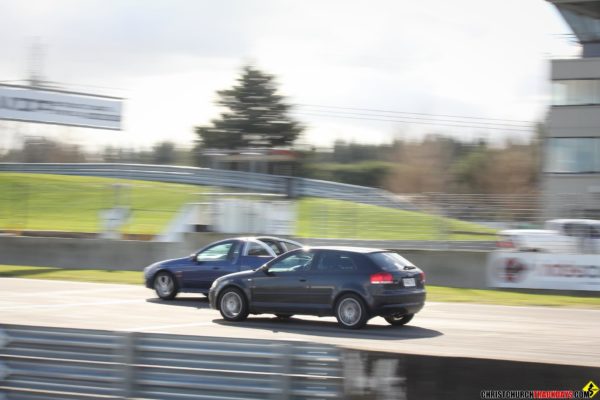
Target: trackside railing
[(215, 177), (60, 363)]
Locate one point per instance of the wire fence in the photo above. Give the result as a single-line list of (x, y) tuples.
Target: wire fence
[(433, 217), (79, 205), (38, 202)]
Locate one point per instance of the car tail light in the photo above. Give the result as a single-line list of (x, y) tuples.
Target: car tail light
[(422, 277), (382, 277), (505, 244)]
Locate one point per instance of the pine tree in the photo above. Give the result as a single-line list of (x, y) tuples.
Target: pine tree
[(256, 117)]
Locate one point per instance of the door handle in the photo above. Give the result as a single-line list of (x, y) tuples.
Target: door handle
[(215, 268), (302, 280)]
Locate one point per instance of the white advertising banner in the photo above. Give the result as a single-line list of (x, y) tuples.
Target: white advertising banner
[(529, 270), (237, 216), (19, 103)]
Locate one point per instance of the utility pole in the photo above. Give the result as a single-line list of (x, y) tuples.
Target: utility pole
[(36, 63)]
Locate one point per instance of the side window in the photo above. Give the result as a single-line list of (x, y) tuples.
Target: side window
[(256, 250), (276, 249), (595, 232), (568, 229), (299, 261), (289, 246), (337, 262), (580, 230), (390, 261), (219, 252), (576, 230)]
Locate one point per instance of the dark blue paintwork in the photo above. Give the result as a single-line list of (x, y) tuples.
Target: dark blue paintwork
[(195, 276), (314, 291)]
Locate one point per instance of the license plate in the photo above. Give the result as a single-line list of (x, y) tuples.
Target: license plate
[(409, 282)]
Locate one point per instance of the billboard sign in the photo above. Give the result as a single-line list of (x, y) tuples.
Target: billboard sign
[(533, 270), (22, 103)]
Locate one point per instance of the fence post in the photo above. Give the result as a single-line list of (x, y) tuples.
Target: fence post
[(283, 365), (126, 355)]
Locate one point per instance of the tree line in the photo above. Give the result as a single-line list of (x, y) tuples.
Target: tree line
[(255, 115), (434, 164)]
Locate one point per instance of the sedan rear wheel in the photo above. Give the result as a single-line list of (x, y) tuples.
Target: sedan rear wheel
[(165, 286), (399, 320), (233, 305), (351, 312)]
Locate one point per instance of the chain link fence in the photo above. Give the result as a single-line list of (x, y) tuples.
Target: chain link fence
[(48, 201)]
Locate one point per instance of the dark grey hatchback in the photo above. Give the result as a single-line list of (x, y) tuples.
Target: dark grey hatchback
[(353, 284)]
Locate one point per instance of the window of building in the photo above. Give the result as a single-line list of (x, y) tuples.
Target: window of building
[(573, 155), (576, 92)]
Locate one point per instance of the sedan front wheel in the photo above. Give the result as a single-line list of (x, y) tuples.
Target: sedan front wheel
[(165, 286)]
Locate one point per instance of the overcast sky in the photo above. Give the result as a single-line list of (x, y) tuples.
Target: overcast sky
[(479, 58)]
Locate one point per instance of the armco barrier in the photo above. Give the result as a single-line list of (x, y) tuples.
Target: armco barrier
[(61, 363), (57, 363), (215, 177)]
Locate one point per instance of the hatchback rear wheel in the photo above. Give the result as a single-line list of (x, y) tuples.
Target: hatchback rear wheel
[(351, 312), (399, 320), (233, 305)]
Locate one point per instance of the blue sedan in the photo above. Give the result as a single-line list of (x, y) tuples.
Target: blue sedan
[(196, 273)]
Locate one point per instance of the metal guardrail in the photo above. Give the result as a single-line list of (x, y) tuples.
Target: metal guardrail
[(443, 245), (214, 177), (60, 363)]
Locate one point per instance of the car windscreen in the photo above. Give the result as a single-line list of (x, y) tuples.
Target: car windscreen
[(390, 261)]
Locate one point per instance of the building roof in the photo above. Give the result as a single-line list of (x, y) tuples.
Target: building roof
[(583, 16)]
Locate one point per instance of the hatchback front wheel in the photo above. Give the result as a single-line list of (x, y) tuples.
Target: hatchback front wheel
[(233, 305), (399, 320)]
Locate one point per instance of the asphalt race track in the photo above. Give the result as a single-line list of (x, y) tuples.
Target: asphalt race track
[(538, 334)]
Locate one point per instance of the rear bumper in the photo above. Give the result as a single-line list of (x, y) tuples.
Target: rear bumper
[(398, 303)]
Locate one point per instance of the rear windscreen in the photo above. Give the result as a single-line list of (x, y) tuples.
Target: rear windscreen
[(390, 261)]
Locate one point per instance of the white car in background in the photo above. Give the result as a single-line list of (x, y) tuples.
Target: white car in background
[(560, 236)]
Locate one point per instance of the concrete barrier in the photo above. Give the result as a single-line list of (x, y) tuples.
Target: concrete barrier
[(383, 376), (94, 253), (455, 268)]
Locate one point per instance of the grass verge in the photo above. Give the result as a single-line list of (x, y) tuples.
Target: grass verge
[(64, 274), (434, 293), (328, 218), (74, 203)]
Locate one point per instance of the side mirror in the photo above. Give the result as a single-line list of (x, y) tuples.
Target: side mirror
[(265, 269), (194, 258)]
